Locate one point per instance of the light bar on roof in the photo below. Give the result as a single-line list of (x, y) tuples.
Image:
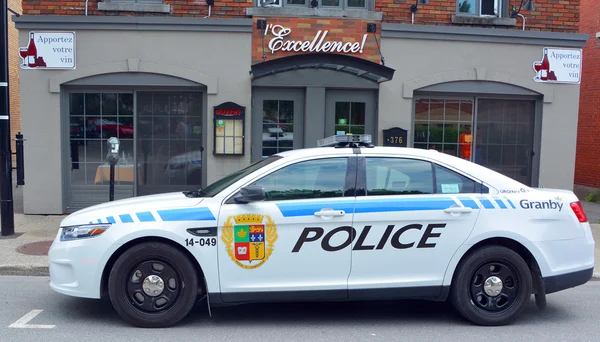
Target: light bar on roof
[(347, 138)]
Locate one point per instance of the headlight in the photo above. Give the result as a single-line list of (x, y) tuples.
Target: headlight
[(83, 231)]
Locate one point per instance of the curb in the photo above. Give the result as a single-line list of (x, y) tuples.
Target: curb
[(39, 271)]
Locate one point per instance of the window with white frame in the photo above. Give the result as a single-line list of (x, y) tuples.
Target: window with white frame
[(492, 8), (327, 4)]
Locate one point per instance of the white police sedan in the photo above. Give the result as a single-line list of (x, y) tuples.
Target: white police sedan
[(344, 222)]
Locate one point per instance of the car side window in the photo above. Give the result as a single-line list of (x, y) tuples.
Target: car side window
[(398, 176), (320, 178), (450, 182)]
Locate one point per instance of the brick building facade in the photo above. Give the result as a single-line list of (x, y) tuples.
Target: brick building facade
[(587, 167), (158, 74), (13, 74)]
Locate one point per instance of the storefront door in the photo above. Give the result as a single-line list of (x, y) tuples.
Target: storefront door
[(169, 141), (504, 137), (278, 125), (350, 111)]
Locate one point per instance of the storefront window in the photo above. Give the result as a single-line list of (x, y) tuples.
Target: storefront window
[(169, 142), (278, 126), (93, 118), (497, 133), (444, 125), (350, 117)]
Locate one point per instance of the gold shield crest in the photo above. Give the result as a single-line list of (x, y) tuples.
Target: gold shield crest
[(249, 239)]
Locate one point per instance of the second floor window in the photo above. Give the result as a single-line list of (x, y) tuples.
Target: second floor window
[(495, 8), (327, 4)]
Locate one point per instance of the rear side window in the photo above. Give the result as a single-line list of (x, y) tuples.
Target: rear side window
[(450, 182), (402, 176)]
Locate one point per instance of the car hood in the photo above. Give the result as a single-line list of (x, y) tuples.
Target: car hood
[(130, 206)]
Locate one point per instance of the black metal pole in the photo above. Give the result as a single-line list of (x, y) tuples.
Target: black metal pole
[(111, 187), (6, 195)]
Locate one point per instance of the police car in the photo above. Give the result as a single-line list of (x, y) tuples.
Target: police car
[(343, 221)]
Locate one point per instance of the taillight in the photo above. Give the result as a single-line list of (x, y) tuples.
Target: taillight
[(579, 212)]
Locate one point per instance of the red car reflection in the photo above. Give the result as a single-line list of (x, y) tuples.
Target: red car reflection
[(104, 128)]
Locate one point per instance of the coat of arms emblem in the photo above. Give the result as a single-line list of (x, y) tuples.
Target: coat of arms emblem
[(249, 239)]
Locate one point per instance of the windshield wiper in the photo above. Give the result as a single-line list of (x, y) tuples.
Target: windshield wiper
[(194, 193)]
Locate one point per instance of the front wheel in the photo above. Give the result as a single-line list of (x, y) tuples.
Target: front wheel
[(153, 285), (491, 286)]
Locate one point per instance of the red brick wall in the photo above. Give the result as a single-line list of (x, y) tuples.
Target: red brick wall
[(587, 165), (549, 15), (13, 73), (179, 8), (305, 29)]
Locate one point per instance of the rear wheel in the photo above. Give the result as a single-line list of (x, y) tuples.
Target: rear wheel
[(153, 285), (491, 286)]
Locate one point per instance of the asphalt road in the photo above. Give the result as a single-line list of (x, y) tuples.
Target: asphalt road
[(572, 315)]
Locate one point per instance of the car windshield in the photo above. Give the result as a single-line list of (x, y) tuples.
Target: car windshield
[(226, 181)]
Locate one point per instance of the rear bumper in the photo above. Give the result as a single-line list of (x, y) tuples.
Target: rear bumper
[(565, 281)]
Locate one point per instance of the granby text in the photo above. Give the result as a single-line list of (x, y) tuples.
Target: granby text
[(312, 234)]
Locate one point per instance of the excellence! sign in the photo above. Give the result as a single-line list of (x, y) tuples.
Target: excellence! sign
[(316, 44)]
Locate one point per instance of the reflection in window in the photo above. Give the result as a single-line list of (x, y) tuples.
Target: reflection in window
[(93, 118), (169, 146), (450, 182), (278, 127), (350, 117), (397, 176), (322, 178), (444, 125)]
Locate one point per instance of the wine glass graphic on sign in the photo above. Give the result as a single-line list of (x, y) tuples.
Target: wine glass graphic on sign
[(23, 53), (537, 66)]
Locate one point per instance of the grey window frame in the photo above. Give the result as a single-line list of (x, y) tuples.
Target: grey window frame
[(369, 5), (504, 9)]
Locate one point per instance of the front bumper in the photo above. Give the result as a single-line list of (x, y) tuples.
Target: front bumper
[(76, 266)]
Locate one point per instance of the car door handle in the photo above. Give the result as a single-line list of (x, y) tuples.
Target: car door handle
[(458, 210), (328, 212)]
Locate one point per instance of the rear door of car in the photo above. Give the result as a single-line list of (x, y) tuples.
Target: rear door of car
[(412, 217)]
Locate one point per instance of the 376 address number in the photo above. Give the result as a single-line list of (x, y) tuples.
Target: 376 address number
[(201, 242)]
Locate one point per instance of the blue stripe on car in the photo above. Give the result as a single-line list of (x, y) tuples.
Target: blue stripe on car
[(364, 206), (145, 216), (309, 209), (187, 214), (126, 218), (486, 203), (510, 202), (110, 219), (500, 203), (468, 202)]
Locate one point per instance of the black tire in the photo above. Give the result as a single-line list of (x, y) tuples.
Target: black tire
[(471, 300), (125, 286)]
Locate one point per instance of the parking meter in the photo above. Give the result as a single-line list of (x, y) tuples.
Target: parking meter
[(112, 157)]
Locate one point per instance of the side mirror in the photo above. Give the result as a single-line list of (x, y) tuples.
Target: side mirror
[(251, 193)]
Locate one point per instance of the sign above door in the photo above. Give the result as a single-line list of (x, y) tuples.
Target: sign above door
[(274, 38)]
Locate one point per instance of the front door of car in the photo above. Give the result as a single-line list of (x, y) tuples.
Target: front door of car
[(276, 249), (413, 217)]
